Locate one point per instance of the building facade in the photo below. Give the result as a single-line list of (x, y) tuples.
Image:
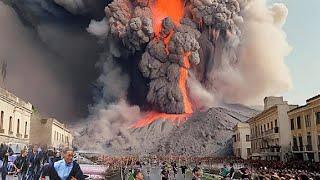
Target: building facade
[(305, 130), (241, 141), (270, 130), (50, 132), (15, 116)]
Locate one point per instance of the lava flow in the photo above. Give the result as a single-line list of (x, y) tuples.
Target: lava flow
[(162, 9)]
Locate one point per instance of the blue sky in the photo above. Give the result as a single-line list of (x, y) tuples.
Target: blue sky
[(303, 34)]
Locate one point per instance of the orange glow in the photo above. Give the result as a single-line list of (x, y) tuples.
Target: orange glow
[(183, 84), (175, 10), (154, 116), (166, 8)]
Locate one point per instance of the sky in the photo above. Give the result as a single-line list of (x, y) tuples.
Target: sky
[(302, 28)]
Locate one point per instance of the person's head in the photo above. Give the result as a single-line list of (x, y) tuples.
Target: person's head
[(231, 164), (67, 154), (35, 148), (196, 172), (138, 175), (24, 153)]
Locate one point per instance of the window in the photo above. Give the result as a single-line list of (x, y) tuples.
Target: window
[(299, 122), (264, 127), (10, 124), (318, 117), (25, 128), (268, 126), (292, 124), (300, 142), (307, 121), (248, 151), (271, 125), (1, 120), (18, 127), (247, 138), (276, 123), (295, 142)]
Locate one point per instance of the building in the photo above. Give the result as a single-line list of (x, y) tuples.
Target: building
[(15, 116), (270, 130), (50, 132), (241, 140), (305, 130)]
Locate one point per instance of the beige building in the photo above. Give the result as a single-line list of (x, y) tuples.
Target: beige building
[(241, 140), (305, 130), (270, 130), (15, 116), (50, 132)]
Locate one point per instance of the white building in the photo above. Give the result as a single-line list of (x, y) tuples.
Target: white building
[(15, 116), (50, 132), (270, 130), (241, 140)]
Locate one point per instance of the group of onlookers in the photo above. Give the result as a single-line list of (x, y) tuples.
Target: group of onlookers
[(35, 162)]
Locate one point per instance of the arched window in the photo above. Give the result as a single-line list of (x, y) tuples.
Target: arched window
[(1, 120), (10, 124), (18, 127)]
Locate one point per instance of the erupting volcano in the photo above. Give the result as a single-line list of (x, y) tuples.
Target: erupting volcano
[(167, 32)]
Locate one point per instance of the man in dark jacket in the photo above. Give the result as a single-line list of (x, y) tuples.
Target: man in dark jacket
[(5, 152), (65, 169), (34, 159), (21, 165)]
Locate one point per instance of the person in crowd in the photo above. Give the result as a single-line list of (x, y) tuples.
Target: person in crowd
[(174, 168), (137, 175), (196, 172), (5, 152), (35, 161), (244, 172), (231, 171), (21, 165), (183, 170), (224, 171), (65, 169), (165, 173)]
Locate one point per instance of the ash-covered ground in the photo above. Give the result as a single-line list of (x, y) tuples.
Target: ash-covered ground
[(206, 133)]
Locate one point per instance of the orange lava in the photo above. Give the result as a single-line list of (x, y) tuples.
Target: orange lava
[(175, 10), (183, 84), (153, 116), (166, 8)]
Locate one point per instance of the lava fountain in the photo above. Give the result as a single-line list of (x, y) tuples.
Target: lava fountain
[(174, 9)]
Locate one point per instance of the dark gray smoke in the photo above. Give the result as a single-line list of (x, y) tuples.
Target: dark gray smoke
[(51, 57)]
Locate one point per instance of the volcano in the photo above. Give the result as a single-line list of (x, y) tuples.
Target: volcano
[(206, 133)]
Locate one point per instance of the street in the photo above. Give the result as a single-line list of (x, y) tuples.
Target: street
[(156, 171)]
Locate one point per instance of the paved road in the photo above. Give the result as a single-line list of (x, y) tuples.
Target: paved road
[(155, 174)]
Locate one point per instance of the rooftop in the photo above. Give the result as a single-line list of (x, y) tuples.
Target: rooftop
[(13, 98)]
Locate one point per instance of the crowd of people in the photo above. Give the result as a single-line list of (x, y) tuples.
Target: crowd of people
[(37, 162)]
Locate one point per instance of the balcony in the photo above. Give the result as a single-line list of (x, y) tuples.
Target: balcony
[(10, 132), (26, 136), (1, 131), (19, 135)]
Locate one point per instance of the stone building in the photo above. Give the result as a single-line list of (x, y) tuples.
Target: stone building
[(270, 130), (241, 140), (305, 130), (50, 132), (15, 116)]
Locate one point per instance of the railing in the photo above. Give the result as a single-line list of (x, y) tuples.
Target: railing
[(19, 135), (1, 131), (26, 136)]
